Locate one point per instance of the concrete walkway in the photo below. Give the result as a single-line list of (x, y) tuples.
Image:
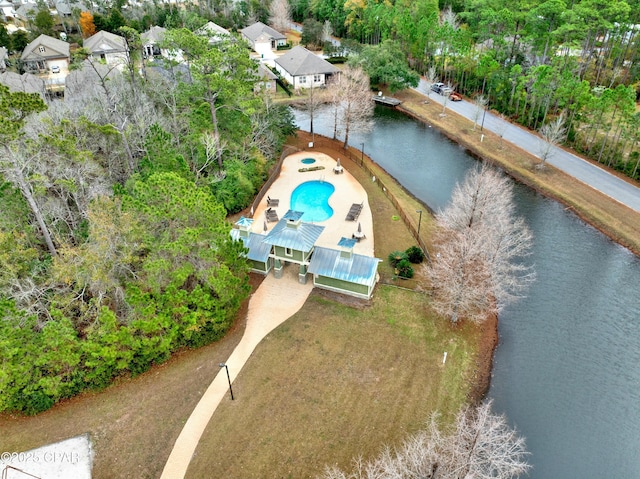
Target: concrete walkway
[(271, 304)]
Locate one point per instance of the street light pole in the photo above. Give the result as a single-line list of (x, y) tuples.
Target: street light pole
[(419, 222), (223, 365)]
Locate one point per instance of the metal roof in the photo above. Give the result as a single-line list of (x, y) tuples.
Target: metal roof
[(258, 249), (356, 268), (246, 222), (347, 242), (292, 215), (300, 237)]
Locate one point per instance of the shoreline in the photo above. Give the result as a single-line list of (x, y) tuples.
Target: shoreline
[(487, 332), (590, 205)]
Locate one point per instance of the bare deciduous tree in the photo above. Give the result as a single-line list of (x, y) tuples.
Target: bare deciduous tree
[(430, 78), (280, 15), (354, 104), (478, 267), (481, 445), (480, 103), (552, 134)]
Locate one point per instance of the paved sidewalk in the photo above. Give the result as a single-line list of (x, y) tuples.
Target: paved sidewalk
[(271, 304)]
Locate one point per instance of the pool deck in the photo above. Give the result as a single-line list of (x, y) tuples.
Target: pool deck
[(347, 191)]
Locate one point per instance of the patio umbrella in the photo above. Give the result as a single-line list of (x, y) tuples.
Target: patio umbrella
[(252, 211), (338, 164), (359, 228), (265, 226)]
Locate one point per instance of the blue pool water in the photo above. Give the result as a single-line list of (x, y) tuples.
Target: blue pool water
[(312, 198), (308, 161)]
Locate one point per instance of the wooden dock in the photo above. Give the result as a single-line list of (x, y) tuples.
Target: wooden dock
[(386, 100)]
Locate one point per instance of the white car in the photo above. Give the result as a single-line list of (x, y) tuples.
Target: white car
[(55, 69)]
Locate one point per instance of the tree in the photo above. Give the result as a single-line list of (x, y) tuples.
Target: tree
[(86, 24), (5, 38), (223, 77), (552, 134), (312, 33), (479, 267), (481, 445), (43, 22), (15, 108), (480, 103), (353, 103), (19, 40), (280, 15), (386, 64)]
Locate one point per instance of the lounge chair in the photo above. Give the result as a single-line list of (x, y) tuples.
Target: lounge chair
[(354, 211), (271, 215), (272, 202)]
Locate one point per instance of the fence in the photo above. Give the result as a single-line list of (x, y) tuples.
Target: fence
[(364, 162)]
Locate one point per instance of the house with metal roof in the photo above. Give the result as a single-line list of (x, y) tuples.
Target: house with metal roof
[(151, 40), (110, 48), (261, 36), (292, 241), (344, 271), (258, 251), (304, 69), (46, 54)]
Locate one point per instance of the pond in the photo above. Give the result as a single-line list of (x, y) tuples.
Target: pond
[(566, 369)]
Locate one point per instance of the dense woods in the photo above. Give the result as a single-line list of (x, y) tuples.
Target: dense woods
[(532, 61), (114, 245)]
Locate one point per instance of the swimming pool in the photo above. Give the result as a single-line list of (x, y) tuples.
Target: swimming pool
[(308, 161), (312, 198)]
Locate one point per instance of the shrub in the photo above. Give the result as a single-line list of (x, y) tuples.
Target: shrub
[(404, 268), (396, 257), (415, 255)]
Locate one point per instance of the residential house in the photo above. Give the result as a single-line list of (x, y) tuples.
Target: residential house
[(110, 48), (214, 32), (151, 40), (263, 38), (4, 56), (25, 13), (267, 80), (304, 69), (6, 10), (46, 55)]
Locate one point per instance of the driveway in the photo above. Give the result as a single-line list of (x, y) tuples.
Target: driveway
[(590, 174)]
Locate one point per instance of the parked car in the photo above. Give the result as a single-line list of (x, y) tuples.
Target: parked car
[(441, 88), (55, 69), (453, 96)]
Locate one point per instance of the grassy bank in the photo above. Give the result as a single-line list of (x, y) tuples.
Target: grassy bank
[(615, 220), (339, 379)]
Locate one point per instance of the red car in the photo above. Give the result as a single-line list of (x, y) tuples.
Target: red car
[(455, 96)]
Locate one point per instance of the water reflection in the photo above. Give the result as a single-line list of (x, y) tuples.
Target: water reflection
[(566, 370)]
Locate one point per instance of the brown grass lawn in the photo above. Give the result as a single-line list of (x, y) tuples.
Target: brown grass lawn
[(334, 382), (339, 379)]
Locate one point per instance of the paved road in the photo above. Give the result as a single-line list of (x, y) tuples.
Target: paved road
[(594, 176)]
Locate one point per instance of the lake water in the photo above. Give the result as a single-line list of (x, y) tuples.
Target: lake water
[(567, 368)]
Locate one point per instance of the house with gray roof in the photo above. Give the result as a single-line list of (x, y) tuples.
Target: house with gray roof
[(214, 32), (25, 13), (151, 40), (46, 54), (304, 69), (261, 36), (267, 80), (110, 48), (343, 271), (291, 241)]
